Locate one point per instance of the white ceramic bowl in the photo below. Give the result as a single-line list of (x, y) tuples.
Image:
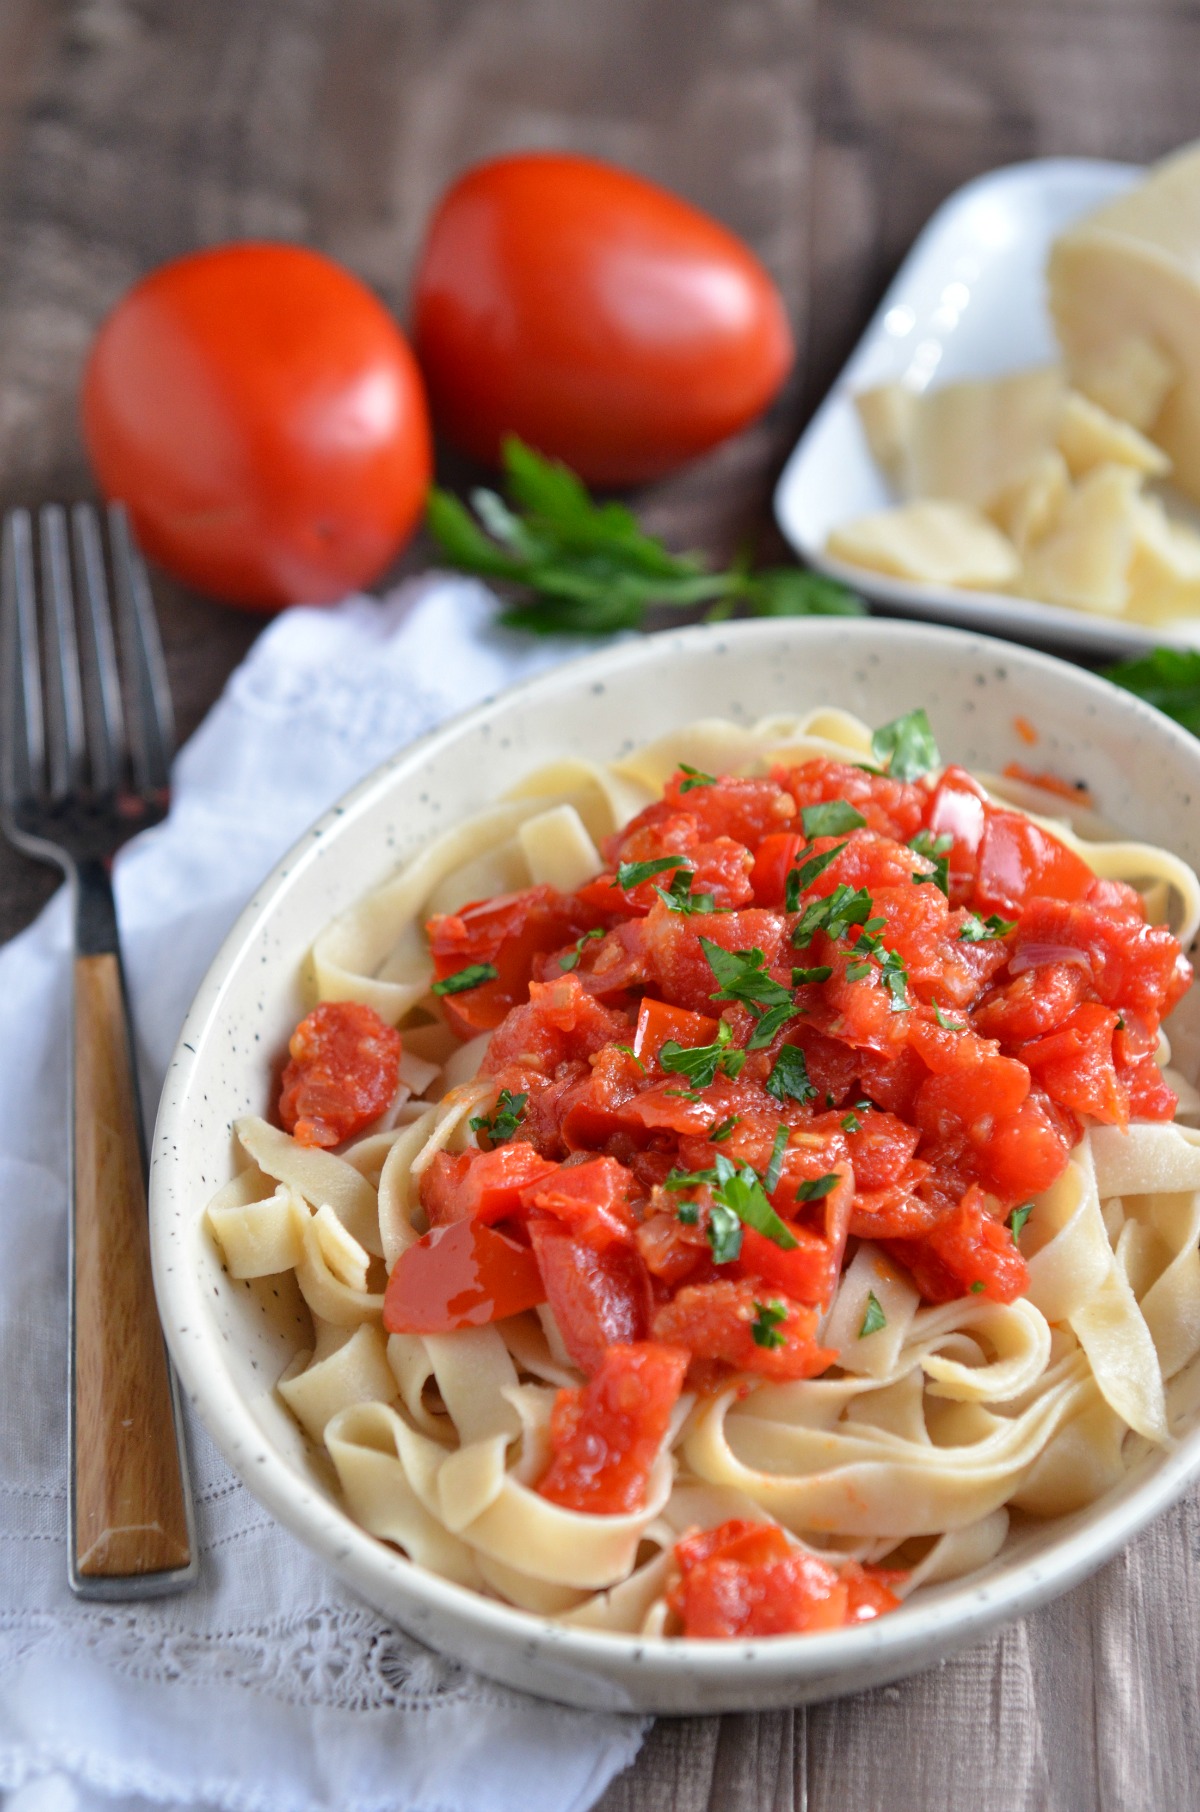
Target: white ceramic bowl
[(231, 1340)]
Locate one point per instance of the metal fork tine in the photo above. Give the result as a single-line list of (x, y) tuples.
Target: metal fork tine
[(151, 722), (64, 696), (23, 750), (101, 679)]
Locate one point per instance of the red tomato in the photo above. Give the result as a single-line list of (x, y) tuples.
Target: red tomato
[(659, 1024), (591, 1200), (596, 315), (480, 1185), (598, 1299), (969, 1253), (1018, 859), (607, 1436), (342, 1073), (716, 1320), (461, 1276), (509, 932), (263, 417), (748, 1579)]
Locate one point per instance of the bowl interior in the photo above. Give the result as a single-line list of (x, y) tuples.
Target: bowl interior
[(231, 1340)]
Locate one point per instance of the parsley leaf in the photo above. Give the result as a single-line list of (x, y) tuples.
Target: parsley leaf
[(586, 568), (678, 897), (700, 1062), (947, 1025), (831, 818), (936, 850), (688, 1213), (632, 874), (724, 1234), (789, 1076), (895, 980), (502, 1123), (473, 976), (851, 1122), (1018, 1218), (1168, 678), (742, 1191), (978, 1287), (742, 976), (801, 977), (813, 1188), (834, 914), (571, 959), (874, 1319), (802, 877), (856, 971), (726, 1127), (694, 778), (975, 930), (768, 1318), (774, 1168), (627, 1050), (906, 746)]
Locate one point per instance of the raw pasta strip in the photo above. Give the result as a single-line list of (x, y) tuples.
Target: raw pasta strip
[(356, 1372), (364, 1443), (316, 1175)]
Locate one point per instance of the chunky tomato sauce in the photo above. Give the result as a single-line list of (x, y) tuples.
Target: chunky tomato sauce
[(792, 1013)]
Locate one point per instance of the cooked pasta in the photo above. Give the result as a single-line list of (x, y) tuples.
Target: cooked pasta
[(930, 1426)]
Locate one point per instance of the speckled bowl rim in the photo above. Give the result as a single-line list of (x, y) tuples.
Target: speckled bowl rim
[(598, 1668)]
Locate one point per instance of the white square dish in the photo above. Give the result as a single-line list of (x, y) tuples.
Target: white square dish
[(968, 301)]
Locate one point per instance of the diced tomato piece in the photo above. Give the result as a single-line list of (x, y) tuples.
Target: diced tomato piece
[(899, 1211), (598, 1298), (508, 932), (744, 808), (1151, 1097), (483, 1185), (343, 1073), (881, 1149), (676, 960), (1132, 965), (1028, 1149), (592, 1200), (461, 1276), (560, 1021), (957, 810), (1116, 896), (1075, 1064), (747, 1579), (657, 1023), (673, 1250), (870, 1591), (892, 808), (1018, 860), (719, 865), (1035, 1002), (968, 1253), (606, 1437), (714, 1321), (972, 1098)]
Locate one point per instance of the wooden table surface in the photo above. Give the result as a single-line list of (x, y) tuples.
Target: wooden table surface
[(825, 132)]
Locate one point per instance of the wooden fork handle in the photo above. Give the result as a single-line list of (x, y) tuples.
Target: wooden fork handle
[(130, 1502)]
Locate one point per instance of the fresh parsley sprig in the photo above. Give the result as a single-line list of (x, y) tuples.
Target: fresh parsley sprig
[(473, 976), (587, 568), (503, 1121), (1168, 678), (975, 930), (700, 1062)]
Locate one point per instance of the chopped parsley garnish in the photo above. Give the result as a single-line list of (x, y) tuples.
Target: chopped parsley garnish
[(632, 874), (627, 1050), (685, 1094), (831, 819), (768, 1319), (726, 1127), (807, 871), (906, 747), (694, 778), (503, 1121), (571, 959), (978, 1286), (895, 980), (700, 1062), (813, 1188), (975, 930), (678, 896), (1018, 1218), (742, 976), (789, 1076), (947, 1025), (935, 850), (724, 1234), (774, 1168), (851, 1122), (801, 977), (856, 971), (874, 1319), (740, 1191), (688, 1213), (833, 915), (473, 976)]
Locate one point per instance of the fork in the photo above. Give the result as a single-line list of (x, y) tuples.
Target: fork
[(83, 765)]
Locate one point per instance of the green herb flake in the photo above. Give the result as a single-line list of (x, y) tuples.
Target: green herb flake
[(769, 1318), (1169, 679), (627, 1050), (723, 1131), (857, 971), (502, 1123), (814, 1188), (789, 1076), (695, 778), (774, 1168), (1018, 1218), (851, 1123), (947, 1025), (831, 819), (700, 1063), (874, 1319), (632, 874), (978, 1287), (975, 930), (809, 869), (678, 897), (906, 746), (571, 959), (724, 1234), (473, 976), (688, 1213), (802, 977)]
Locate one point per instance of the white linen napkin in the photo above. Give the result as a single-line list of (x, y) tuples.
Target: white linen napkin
[(269, 1687)]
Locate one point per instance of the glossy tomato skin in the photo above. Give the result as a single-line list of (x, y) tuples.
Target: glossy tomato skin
[(599, 317), (264, 419)]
